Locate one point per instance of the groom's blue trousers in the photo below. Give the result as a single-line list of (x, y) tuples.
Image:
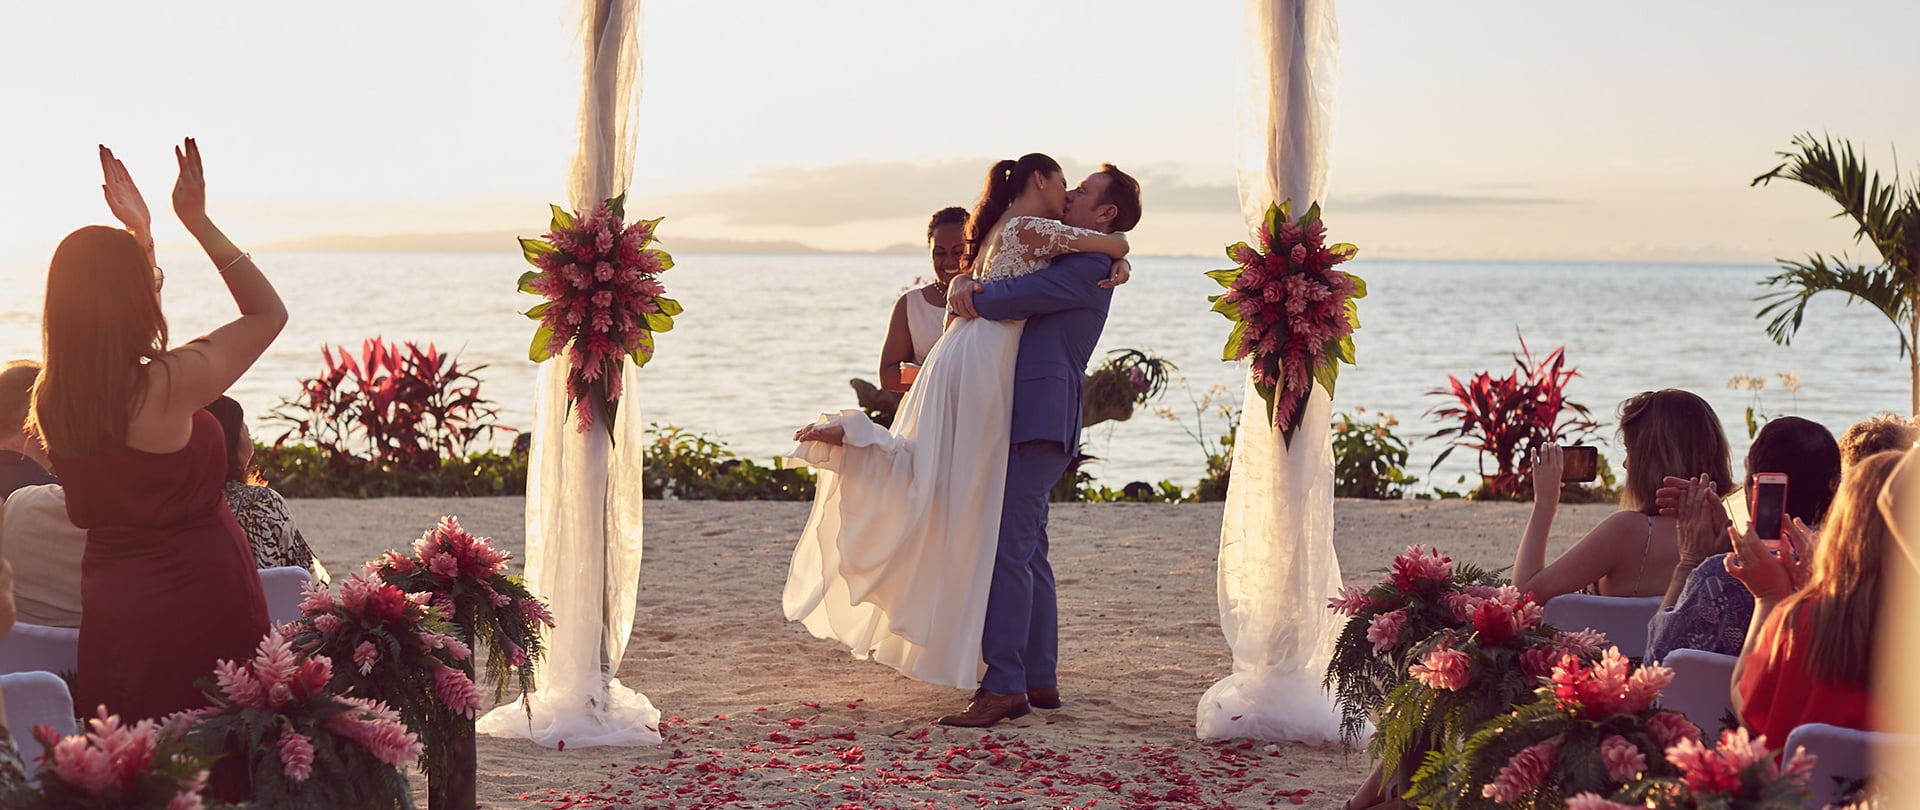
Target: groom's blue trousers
[(1021, 640)]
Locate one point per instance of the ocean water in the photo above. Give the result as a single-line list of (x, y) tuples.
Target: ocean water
[(768, 341)]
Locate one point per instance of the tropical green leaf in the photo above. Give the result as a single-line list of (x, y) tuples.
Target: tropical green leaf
[(1232, 351), (1326, 373), (526, 281), (1882, 288), (666, 261), (561, 219), (1311, 216), (533, 249), (1228, 276), (1341, 350), (1231, 309), (539, 310), (537, 350), (1344, 251), (1359, 287), (667, 305), (1353, 313), (619, 206), (658, 321), (642, 350)]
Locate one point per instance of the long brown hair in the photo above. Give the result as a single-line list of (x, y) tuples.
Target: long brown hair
[(1842, 599), (102, 320), (1005, 181), (1670, 432), (233, 424)]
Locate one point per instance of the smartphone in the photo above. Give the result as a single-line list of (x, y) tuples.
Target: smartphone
[(1769, 507), (1580, 464)]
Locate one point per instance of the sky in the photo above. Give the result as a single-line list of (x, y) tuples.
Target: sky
[(1624, 131)]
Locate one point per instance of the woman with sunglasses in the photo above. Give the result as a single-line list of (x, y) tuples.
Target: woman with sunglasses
[(167, 580)]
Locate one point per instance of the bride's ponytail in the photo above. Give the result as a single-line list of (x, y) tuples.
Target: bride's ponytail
[(1005, 181)]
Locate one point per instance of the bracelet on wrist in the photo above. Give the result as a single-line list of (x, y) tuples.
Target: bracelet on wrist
[(236, 260)]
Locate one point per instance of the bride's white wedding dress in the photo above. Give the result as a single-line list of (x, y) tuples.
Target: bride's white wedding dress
[(897, 556)]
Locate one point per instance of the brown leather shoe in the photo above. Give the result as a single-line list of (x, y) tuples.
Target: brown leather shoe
[(1043, 698), (988, 708)]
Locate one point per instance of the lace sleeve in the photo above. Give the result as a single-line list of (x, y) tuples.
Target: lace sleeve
[(1042, 239)]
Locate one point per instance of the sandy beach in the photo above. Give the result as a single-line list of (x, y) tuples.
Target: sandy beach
[(757, 713)]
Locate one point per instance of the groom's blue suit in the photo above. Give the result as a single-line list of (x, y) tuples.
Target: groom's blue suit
[(1065, 308)]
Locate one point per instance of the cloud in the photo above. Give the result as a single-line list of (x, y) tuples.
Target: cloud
[(1405, 202), (865, 191)]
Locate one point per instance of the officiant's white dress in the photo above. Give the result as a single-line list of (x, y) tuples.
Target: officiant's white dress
[(897, 556)]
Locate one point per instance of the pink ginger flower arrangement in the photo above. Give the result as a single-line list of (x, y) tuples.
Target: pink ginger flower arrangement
[(1670, 728), (1523, 773), (1443, 668), (296, 755), (1384, 630), (1624, 760)]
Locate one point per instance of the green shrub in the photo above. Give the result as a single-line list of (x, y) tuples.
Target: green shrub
[(1367, 458)]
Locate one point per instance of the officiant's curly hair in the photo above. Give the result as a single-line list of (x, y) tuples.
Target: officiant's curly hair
[(1005, 181), (102, 320)]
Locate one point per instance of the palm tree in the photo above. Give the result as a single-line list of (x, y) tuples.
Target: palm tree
[(1888, 216)]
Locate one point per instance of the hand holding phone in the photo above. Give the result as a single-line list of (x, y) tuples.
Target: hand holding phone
[(1769, 505), (1581, 464)]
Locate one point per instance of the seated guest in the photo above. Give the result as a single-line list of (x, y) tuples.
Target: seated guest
[(13, 771), (22, 462), (262, 513), (1706, 608), (1877, 435), (36, 537), (1633, 551), (919, 316), (1809, 650)]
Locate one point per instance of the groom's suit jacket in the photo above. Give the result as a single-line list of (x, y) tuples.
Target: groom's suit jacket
[(1065, 308)]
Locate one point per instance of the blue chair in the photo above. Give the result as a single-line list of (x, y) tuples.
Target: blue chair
[(36, 699), (1702, 688), (1622, 618), (282, 587), (37, 648), (1842, 755)]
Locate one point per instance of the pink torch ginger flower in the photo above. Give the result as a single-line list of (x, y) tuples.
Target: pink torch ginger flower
[(1624, 760), (1702, 769), (1669, 728), (1523, 773), (327, 623), (365, 656), (1444, 668), (1350, 602), (376, 728), (316, 599), (1581, 642), (1643, 687), (238, 684), (1384, 630), (456, 690), (296, 755), (1419, 565)]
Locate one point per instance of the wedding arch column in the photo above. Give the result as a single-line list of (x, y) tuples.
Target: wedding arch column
[(584, 489), (1277, 561)]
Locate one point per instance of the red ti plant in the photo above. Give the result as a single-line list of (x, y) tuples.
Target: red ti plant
[(1505, 418), (395, 403)]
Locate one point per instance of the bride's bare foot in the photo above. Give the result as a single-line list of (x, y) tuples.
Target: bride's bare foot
[(825, 434)]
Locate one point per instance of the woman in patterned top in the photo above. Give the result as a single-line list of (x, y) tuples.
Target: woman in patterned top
[(262, 513)]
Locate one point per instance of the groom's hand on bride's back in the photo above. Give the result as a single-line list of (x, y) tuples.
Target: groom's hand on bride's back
[(960, 297)]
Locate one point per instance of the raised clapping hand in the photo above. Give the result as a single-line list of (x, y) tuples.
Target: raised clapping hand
[(1771, 578), (1122, 270), (1700, 520), (123, 197), (190, 191)]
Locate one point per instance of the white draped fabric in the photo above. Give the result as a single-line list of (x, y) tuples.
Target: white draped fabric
[(1277, 561), (584, 490)]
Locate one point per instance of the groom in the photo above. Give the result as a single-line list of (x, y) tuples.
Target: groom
[(1065, 308)]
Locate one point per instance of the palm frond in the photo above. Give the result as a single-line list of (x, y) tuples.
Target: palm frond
[(1883, 288), (1883, 215)]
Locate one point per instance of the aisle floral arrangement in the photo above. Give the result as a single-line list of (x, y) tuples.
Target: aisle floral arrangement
[(1738, 774), (403, 653), (114, 766), (304, 745), (1462, 678), (465, 578), (604, 301), (1593, 729), (1417, 598), (1293, 313)]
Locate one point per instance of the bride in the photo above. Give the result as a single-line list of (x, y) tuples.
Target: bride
[(897, 555)]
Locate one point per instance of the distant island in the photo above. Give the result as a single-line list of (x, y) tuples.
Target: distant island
[(503, 241)]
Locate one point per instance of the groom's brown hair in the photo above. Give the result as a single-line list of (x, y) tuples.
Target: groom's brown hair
[(1123, 193)]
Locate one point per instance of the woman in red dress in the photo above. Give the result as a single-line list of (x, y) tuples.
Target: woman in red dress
[(1809, 651), (167, 580)]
